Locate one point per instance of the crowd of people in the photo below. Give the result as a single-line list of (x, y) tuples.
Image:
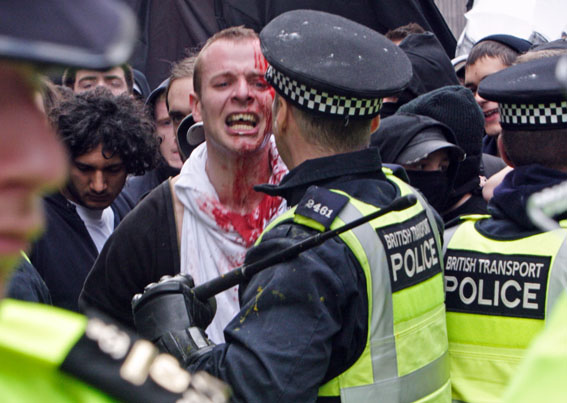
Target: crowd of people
[(121, 205)]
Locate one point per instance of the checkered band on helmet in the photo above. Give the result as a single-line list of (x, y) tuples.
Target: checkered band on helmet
[(321, 101), (533, 116)]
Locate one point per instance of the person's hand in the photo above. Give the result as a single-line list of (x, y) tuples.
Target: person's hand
[(169, 314), (170, 305)]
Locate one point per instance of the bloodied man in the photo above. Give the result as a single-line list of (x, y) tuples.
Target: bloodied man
[(202, 222)]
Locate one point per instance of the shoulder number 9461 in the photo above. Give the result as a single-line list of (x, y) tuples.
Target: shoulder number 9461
[(318, 208)]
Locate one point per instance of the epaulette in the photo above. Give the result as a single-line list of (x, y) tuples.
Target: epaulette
[(321, 205), (461, 219), (396, 170)]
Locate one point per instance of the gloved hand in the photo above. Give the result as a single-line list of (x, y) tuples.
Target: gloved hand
[(169, 314), (186, 345)]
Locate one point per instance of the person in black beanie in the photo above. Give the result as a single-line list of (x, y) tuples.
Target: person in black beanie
[(456, 107), (426, 149)]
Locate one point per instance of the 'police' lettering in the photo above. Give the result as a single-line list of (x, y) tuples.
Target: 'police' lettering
[(495, 284), (411, 250)]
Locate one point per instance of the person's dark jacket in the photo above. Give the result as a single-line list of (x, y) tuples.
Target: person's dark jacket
[(137, 187), (508, 206), (27, 285), (141, 250), (431, 66), (397, 131), (489, 145), (65, 253), (394, 135)]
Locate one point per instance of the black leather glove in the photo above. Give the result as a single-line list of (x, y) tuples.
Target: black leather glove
[(168, 312), (186, 345)]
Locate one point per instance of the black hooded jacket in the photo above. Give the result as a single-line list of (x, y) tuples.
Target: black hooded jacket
[(396, 132), (65, 253), (432, 68)]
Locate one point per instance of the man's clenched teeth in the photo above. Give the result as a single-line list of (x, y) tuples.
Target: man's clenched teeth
[(242, 121)]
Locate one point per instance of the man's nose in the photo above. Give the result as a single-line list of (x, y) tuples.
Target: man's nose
[(479, 100), (242, 90), (98, 182)]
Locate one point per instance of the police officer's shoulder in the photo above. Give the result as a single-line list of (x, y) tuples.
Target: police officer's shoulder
[(321, 205), (464, 218), (397, 170), (126, 367)]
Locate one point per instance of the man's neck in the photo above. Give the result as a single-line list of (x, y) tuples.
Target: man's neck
[(233, 178)]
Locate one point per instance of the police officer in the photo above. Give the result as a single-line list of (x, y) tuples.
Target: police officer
[(360, 317), (503, 274), (46, 353), (542, 372)]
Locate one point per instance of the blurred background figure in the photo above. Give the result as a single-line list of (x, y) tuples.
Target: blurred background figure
[(141, 89), (118, 79), (106, 138), (426, 149), (456, 107), (431, 66), (169, 163), (490, 55), (178, 90)]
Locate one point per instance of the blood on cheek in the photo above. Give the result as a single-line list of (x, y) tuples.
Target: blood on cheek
[(267, 111), (261, 64)]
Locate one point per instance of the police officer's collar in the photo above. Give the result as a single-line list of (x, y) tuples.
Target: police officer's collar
[(320, 170)]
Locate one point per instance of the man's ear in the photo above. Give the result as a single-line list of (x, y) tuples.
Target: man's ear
[(503, 153), (195, 104), (281, 120), (374, 124)]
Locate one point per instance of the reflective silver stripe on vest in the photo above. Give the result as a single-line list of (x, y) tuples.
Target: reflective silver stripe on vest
[(388, 387), (408, 388), (383, 345)]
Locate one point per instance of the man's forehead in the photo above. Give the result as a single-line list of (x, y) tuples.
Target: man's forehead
[(225, 46), (95, 157), (182, 84), (115, 71)]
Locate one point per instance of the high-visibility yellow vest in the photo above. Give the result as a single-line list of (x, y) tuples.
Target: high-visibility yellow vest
[(48, 354), (405, 358), (34, 341), (498, 294), (542, 374)]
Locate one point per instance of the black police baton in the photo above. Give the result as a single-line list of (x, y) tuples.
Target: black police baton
[(234, 277)]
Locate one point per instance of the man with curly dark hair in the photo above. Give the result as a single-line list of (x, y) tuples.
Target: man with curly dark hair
[(107, 137)]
